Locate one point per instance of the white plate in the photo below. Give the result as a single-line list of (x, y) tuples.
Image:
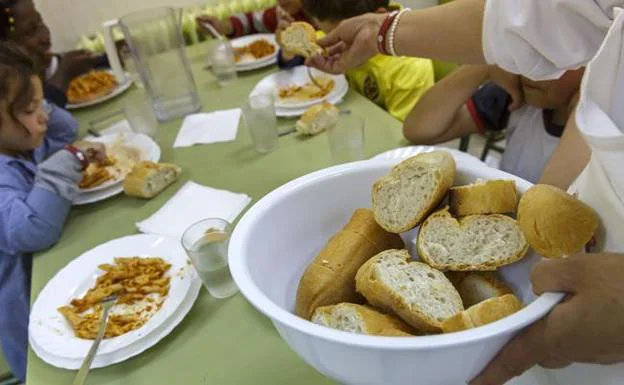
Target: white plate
[(148, 146), (269, 85), (120, 89), (253, 64), (103, 360), (403, 153), (51, 333)]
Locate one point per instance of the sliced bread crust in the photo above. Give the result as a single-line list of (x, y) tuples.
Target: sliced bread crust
[(489, 197), (483, 313), (420, 295), (330, 278), (472, 243), (555, 223), (299, 38), (412, 189), (360, 319), (478, 286)]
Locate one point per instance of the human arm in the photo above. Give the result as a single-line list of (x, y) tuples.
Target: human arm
[(569, 158), (71, 65), (514, 34), (242, 24), (441, 113), (585, 327), (32, 220), (436, 31), (457, 106)]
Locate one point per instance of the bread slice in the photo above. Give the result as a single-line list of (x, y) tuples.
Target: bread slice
[(484, 313), (360, 319), (317, 119), (478, 286), (422, 296), (330, 278), (473, 243), (555, 223), (414, 187), (148, 179), (299, 38), (484, 197)]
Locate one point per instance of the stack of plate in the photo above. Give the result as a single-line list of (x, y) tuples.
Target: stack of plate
[(52, 338), (254, 64), (149, 150), (299, 76)]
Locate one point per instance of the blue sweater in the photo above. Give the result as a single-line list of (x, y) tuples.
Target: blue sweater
[(31, 219)]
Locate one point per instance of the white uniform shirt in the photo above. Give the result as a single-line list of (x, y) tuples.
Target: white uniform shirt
[(529, 146), (539, 39)]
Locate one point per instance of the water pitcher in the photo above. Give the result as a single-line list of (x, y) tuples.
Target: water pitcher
[(155, 40)]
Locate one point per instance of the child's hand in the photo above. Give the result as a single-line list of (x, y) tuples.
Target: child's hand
[(76, 63), (224, 27), (510, 83), (95, 152), (284, 19)]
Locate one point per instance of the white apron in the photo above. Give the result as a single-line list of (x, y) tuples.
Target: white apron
[(600, 118)]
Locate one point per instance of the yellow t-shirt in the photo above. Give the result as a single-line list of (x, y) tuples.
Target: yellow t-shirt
[(393, 83)]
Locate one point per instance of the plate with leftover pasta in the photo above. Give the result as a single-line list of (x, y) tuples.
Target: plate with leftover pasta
[(294, 91), (255, 51), (151, 276), (95, 87), (123, 151)]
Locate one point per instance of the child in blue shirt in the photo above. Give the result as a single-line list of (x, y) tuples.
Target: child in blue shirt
[(39, 173)]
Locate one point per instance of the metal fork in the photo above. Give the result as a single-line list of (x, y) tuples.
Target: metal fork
[(107, 303), (313, 79)]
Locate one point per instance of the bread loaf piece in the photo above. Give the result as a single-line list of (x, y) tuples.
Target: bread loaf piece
[(473, 243), (414, 187), (420, 295), (555, 223), (478, 286), (360, 319), (317, 119), (299, 38), (487, 197), (148, 179), (484, 313), (330, 278)]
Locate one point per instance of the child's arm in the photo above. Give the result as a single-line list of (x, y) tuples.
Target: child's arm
[(33, 220), (62, 130), (441, 114)]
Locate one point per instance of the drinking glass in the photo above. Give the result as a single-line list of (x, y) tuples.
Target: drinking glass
[(140, 115), (261, 121), (346, 139), (221, 56), (206, 243)]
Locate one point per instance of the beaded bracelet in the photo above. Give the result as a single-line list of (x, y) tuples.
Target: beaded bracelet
[(392, 32), (382, 35)]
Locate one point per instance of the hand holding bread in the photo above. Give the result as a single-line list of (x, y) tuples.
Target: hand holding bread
[(299, 38)]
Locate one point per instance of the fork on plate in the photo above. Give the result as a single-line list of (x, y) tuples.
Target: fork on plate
[(107, 303)]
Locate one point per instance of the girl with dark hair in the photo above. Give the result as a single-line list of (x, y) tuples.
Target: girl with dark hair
[(21, 23), (39, 173)]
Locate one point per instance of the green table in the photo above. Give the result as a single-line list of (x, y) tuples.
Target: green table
[(219, 342)]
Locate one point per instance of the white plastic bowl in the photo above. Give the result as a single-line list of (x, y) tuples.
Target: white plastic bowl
[(283, 232)]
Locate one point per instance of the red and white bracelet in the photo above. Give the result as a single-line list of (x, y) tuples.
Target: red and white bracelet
[(82, 158), (386, 37), (382, 35)]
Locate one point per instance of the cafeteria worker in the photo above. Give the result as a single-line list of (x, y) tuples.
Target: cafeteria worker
[(582, 339)]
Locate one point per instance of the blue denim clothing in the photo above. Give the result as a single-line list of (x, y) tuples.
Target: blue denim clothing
[(31, 219)]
